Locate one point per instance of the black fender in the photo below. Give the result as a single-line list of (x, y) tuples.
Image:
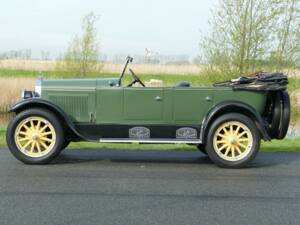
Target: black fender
[(237, 107), (45, 104)]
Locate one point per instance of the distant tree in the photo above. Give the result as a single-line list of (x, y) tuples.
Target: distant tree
[(246, 34), (288, 34), (83, 54)]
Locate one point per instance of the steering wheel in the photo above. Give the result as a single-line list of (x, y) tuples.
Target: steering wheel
[(135, 79)]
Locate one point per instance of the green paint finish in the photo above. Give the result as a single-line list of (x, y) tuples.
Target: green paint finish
[(75, 97), (191, 104), (168, 106), (104, 82), (75, 84), (255, 99), (143, 104), (108, 103), (78, 105), (80, 83)]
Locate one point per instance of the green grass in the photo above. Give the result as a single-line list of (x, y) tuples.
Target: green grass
[(2, 138), (294, 84), (286, 145)]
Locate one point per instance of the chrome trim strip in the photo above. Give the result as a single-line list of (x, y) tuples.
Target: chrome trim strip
[(157, 141)]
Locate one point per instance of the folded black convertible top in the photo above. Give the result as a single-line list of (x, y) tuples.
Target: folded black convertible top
[(260, 81)]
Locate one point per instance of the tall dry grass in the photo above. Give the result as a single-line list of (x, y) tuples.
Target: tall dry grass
[(188, 69), (39, 65), (11, 89), (35, 65)]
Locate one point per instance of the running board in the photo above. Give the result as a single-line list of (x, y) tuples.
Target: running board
[(153, 141)]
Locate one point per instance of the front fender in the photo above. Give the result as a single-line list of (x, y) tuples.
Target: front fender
[(237, 107), (45, 104)]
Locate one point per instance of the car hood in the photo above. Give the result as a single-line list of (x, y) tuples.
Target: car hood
[(79, 83)]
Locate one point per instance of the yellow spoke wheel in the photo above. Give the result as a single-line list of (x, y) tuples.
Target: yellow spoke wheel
[(233, 141), (35, 136)]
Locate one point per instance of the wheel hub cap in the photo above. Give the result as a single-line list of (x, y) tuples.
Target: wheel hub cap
[(232, 141), (35, 137)]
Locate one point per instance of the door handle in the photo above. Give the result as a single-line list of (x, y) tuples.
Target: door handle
[(208, 98), (158, 98)]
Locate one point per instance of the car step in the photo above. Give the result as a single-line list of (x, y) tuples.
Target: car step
[(152, 140)]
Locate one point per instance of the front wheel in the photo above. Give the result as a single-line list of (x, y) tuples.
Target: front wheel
[(35, 136), (233, 141)]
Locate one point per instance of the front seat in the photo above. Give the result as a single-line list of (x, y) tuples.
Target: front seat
[(183, 84)]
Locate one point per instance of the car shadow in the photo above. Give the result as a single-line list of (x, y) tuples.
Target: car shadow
[(132, 156), (176, 157)]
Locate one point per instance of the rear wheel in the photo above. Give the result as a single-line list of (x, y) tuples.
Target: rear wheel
[(65, 144), (35, 136), (286, 114), (233, 141), (276, 115)]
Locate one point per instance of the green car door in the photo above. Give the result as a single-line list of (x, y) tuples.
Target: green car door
[(190, 105), (143, 105), (129, 105)]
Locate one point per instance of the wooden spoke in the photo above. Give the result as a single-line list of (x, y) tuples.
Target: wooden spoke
[(27, 144), (34, 141), (236, 138)]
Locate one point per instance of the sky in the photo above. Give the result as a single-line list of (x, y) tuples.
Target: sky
[(168, 27)]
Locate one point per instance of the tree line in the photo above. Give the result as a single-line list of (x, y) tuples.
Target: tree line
[(252, 35)]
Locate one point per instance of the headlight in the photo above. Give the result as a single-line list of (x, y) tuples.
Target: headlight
[(38, 86), (27, 94)]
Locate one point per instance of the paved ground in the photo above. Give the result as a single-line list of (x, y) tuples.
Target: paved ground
[(166, 188)]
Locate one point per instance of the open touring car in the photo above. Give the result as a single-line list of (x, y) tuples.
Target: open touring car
[(225, 121)]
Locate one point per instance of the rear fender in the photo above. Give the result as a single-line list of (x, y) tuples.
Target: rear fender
[(237, 107)]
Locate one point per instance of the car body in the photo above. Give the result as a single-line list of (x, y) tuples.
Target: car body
[(104, 110)]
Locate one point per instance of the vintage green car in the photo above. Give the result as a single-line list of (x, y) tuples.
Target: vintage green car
[(225, 121)]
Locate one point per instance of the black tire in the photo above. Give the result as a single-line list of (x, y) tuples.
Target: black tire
[(41, 113), (276, 115), (286, 114), (251, 153), (202, 149)]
